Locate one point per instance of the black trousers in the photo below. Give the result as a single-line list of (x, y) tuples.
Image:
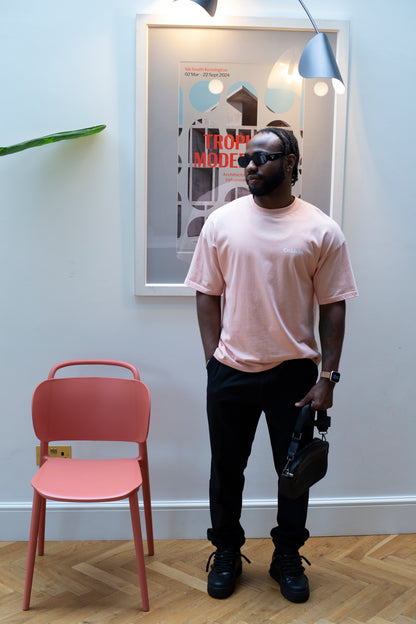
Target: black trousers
[(235, 401)]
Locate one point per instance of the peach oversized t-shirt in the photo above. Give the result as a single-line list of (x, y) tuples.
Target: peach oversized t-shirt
[(272, 266)]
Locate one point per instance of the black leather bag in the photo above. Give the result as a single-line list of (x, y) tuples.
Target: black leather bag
[(309, 464)]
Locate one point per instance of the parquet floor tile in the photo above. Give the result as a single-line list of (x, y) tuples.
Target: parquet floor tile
[(354, 580)]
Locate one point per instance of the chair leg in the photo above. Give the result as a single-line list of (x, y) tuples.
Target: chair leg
[(138, 544), (147, 504), (33, 538), (41, 533)]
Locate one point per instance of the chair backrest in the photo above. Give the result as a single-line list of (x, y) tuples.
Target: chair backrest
[(91, 408)]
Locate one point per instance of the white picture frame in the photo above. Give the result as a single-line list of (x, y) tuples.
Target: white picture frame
[(156, 161)]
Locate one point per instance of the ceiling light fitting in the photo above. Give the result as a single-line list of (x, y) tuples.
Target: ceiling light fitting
[(317, 60)]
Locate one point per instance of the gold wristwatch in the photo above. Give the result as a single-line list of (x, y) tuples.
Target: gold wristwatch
[(333, 376)]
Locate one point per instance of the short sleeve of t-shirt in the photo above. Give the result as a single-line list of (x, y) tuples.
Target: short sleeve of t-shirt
[(333, 279), (205, 273)]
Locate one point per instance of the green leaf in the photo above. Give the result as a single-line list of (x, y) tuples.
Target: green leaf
[(51, 138)]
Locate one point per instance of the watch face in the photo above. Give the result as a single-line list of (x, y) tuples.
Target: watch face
[(335, 376)]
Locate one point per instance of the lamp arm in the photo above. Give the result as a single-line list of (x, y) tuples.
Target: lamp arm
[(310, 16)]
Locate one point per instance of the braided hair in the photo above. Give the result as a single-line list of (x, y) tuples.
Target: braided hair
[(290, 145)]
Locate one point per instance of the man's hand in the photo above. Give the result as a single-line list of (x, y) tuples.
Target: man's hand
[(320, 396)]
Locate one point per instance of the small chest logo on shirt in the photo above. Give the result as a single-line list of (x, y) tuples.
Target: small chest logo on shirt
[(293, 250)]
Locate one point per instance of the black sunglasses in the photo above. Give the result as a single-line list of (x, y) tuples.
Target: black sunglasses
[(259, 158)]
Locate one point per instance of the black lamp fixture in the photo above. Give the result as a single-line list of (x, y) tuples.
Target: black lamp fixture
[(317, 60), (210, 6)]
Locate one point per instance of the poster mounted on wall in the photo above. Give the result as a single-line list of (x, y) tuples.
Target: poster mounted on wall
[(202, 92), (221, 105)]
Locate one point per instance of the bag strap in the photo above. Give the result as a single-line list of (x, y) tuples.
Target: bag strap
[(304, 416), (322, 423)]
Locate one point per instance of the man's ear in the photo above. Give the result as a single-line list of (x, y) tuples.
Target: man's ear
[(290, 161)]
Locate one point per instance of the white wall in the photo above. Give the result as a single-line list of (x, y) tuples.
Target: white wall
[(67, 265)]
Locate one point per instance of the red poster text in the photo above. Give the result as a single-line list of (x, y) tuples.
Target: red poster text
[(220, 158)]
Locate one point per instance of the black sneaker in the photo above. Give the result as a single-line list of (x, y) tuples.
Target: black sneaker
[(288, 571), (225, 570)]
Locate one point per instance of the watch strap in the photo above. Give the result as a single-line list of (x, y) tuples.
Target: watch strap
[(333, 376)]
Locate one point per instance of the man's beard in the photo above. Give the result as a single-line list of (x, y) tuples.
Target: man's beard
[(268, 185)]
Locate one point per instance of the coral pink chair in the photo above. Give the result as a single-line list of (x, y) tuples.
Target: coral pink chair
[(91, 408)]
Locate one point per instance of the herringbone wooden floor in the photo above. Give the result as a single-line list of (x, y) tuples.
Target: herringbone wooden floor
[(354, 580)]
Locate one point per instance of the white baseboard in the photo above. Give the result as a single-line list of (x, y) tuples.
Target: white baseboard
[(190, 519)]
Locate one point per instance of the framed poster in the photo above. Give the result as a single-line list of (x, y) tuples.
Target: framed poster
[(202, 92)]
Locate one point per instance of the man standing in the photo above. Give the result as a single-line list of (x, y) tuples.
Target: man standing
[(273, 257)]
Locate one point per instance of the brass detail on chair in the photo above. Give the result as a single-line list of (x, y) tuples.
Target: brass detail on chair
[(55, 451)]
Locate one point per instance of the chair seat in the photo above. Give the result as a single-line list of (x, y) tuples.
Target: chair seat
[(87, 480)]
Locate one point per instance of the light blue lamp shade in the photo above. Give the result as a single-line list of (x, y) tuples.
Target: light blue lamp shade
[(318, 60)]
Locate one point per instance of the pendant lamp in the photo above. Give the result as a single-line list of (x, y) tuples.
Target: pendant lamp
[(317, 60)]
